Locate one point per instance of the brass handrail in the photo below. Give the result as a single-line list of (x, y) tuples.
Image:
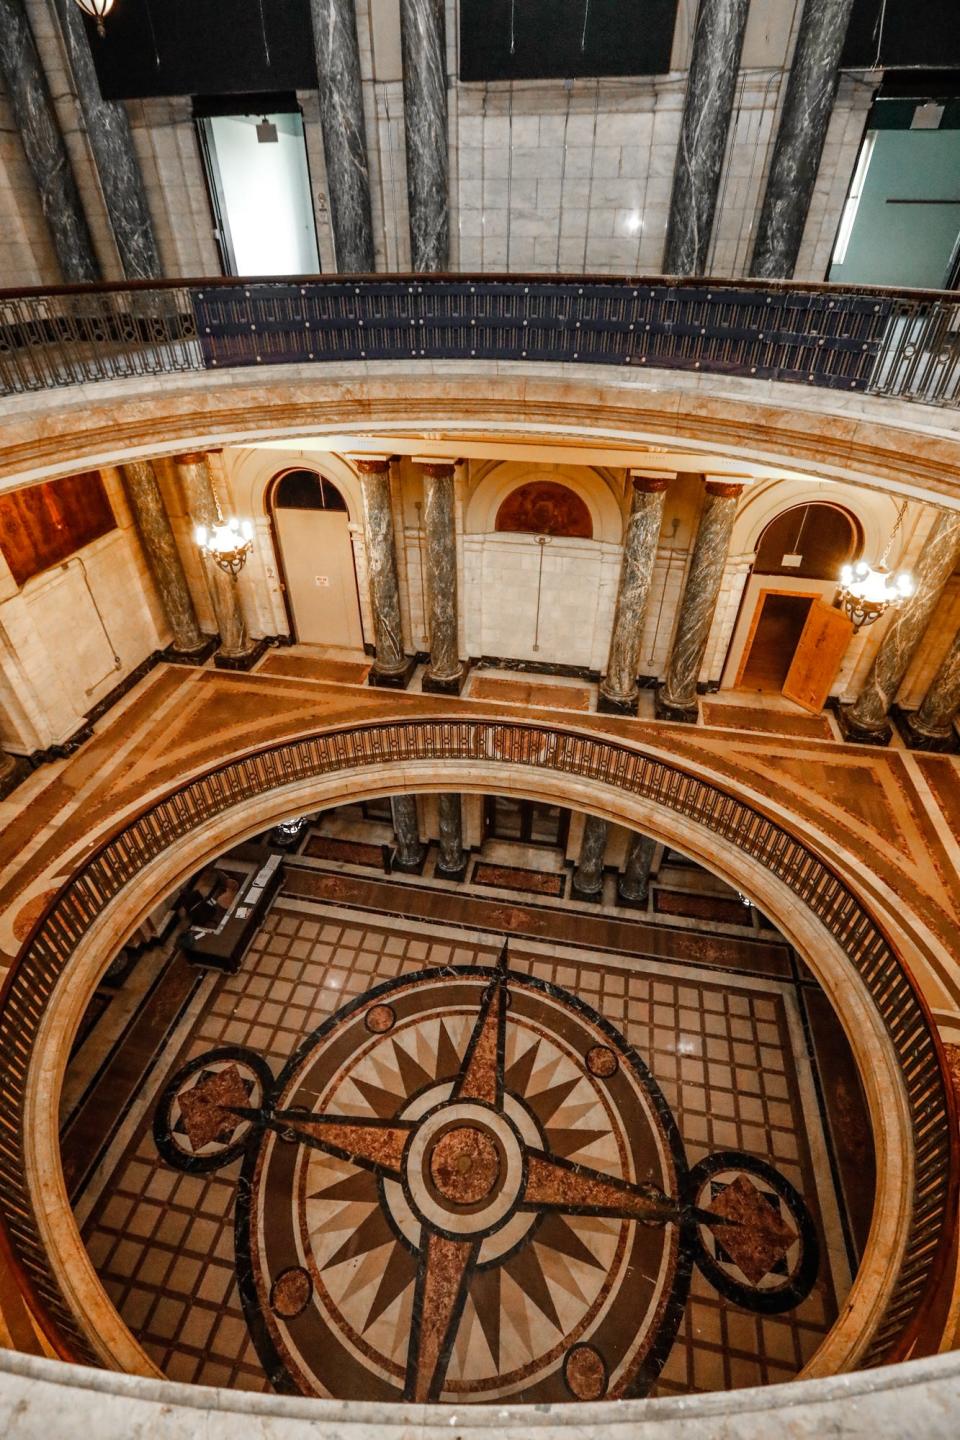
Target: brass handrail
[(118, 860)]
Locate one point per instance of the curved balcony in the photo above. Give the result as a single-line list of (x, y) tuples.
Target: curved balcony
[(902, 344)]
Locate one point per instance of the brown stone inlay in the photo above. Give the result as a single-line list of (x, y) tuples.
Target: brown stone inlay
[(380, 1018), (524, 692), (307, 667), (585, 1372), (700, 907), (514, 877), (761, 721), (464, 1165), (290, 1292), (760, 1236), (205, 1117), (602, 1061), (557, 1185), (378, 1145), (353, 852)]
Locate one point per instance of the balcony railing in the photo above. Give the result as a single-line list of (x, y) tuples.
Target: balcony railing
[(118, 863), (903, 344)]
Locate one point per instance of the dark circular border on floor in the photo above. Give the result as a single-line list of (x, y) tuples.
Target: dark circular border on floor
[(167, 1147)]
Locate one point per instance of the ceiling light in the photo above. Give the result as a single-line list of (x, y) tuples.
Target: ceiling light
[(97, 10), (867, 591), (226, 544), (633, 223)]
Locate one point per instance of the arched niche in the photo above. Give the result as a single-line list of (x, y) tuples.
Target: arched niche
[(544, 507), (810, 541)]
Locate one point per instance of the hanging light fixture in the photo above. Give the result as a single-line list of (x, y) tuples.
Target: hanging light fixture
[(868, 591), (227, 544), (97, 10)]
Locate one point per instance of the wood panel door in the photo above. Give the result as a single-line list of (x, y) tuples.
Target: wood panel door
[(321, 581), (818, 656)]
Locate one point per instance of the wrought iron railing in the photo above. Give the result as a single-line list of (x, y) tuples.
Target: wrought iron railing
[(117, 863), (885, 342)]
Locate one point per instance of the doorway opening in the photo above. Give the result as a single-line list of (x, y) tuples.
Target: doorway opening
[(529, 822), (777, 633), (312, 531)]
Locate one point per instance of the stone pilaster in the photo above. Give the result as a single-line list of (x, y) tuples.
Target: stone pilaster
[(43, 144), (865, 721), (933, 725), (807, 107), (391, 667), (190, 645), (446, 673), (425, 122), (707, 107), (452, 861), (634, 882), (111, 144), (344, 139), (618, 689), (409, 853), (237, 651), (677, 700), (587, 881)]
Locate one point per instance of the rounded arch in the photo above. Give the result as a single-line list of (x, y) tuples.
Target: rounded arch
[(874, 512), (544, 507), (590, 490), (304, 489), (819, 536)]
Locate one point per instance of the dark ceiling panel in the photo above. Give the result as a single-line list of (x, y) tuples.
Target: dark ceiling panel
[(915, 32), (204, 47), (561, 39)]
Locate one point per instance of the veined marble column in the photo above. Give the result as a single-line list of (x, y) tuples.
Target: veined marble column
[(634, 882), (344, 136), (588, 877), (10, 773), (452, 861), (807, 107), (677, 700), (707, 107), (43, 144), (865, 721), (933, 726), (237, 651), (423, 42), (406, 827), (446, 672), (118, 170), (391, 667), (618, 688), (153, 526)]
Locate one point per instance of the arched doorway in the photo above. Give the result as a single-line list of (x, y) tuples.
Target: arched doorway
[(787, 603), (312, 527)]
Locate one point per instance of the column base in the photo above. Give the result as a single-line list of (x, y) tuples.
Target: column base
[(681, 714), (856, 734), (409, 867), (393, 679), (617, 704), (914, 739), (14, 775), (445, 684), (457, 875), (631, 902), (593, 897), (245, 660), (200, 656)]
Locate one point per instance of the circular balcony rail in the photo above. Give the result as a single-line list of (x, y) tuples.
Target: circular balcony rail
[(899, 343), (117, 863)]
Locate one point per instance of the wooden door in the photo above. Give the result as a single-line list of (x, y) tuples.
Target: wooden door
[(321, 582), (816, 660)]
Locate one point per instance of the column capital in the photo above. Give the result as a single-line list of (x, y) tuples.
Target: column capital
[(370, 464), (194, 457), (434, 465), (725, 489), (650, 482)]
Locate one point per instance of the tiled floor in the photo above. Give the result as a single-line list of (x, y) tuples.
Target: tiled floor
[(726, 1050)]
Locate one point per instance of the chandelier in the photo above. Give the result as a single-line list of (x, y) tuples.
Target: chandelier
[(97, 10), (868, 591), (227, 544)]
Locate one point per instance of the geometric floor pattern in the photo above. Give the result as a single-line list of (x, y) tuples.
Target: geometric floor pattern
[(724, 1052)]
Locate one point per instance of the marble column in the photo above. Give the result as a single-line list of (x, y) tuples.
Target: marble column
[(409, 853), (807, 107), (391, 666), (707, 107), (618, 688), (424, 47), (111, 143), (677, 700), (344, 133), (446, 672), (452, 861), (237, 651), (43, 144), (10, 773), (933, 726), (634, 882), (866, 720), (588, 876), (190, 645)]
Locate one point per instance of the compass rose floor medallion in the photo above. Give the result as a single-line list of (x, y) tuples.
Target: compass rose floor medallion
[(467, 1186)]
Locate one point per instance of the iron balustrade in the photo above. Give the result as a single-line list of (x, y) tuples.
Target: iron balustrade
[(902, 344), (119, 861)]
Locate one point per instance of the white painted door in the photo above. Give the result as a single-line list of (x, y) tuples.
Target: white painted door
[(321, 582)]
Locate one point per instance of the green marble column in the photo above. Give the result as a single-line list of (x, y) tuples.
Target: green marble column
[(409, 852), (446, 672), (634, 882), (452, 861), (391, 667), (588, 876), (933, 726), (618, 688), (163, 557)]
